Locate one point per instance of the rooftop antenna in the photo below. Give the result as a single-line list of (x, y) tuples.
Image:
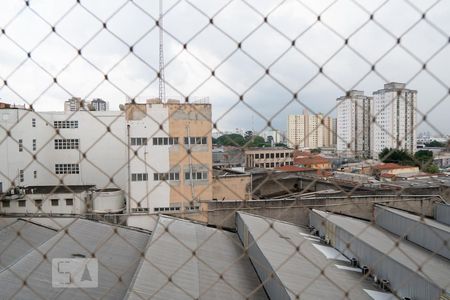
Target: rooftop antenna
[(162, 82)]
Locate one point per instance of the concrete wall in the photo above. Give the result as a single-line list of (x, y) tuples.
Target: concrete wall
[(222, 213), (231, 187)]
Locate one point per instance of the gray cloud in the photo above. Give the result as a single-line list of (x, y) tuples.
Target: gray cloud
[(133, 74)]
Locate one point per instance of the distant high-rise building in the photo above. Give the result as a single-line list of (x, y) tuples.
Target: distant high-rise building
[(353, 124), (310, 131), (394, 111), (99, 105), (272, 136), (73, 104)]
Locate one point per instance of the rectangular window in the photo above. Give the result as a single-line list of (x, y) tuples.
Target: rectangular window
[(35, 174), (61, 144), (5, 203), (257, 156), (21, 176), (22, 203), (65, 124), (139, 177), (67, 168), (33, 122), (20, 145), (69, 202), (195, 141), (161, 141), (55, 202), (138, 141), (38, 203), (34, 144)]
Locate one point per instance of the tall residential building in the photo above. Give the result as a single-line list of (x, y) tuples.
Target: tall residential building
[(310, 131), (99, 105), (354, 124), (73, 104), (159, 154), (394, 111)]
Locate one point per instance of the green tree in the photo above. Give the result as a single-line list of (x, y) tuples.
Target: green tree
[(424, 157), (398, 156), (316, 151), (435, 144), (233, 139), (280, 145), (257, 141), (431, 168)]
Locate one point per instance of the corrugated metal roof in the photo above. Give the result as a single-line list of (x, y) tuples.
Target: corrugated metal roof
[(416, 218), (4, 222), (442, 213), (118, 251), (185, 260), (53, 223), (433, 268), (19, 238), (273, 248), (424, 232)]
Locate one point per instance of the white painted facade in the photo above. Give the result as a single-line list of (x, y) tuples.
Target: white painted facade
[(353, 124), (98, 164), (103, 152), (394, 110)]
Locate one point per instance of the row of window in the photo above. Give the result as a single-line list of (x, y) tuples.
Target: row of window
[(139, 177), (37, 203), (59, 144), (67, 143), (161, 141), (273, 165), (138, 141), (195, 140), (172, 176), (161, 209), (65, 124), (67, 168), (273, 155)]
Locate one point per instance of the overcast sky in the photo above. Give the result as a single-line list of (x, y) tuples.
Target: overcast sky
[(318, 44)]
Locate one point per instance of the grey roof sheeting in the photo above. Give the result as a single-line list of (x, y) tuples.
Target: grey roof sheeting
[(4, 222), (412, 271), (442, 213), (201, 262), (424, 232), (272, 247), (19, 238), (118, 251)]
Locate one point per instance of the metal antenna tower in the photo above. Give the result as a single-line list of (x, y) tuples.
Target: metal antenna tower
[(162, 82)]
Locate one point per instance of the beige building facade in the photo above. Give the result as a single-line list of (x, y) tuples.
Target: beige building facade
[(310, 131), (172, 153)]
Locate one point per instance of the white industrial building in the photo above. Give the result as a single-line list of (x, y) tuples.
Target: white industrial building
[(353, 124), (142, 151)]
